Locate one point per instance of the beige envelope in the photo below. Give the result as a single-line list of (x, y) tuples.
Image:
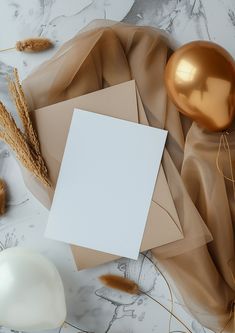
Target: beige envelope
[(52, 124)]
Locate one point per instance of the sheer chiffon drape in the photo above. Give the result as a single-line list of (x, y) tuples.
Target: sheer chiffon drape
[(202, 265)]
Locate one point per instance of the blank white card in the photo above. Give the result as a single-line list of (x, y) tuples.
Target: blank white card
[(106, 183)]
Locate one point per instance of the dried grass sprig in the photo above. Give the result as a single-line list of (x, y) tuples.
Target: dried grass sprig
[(31, 45), (23, 152), (24, 144), (126, 285), (18, 97), (2, 197)]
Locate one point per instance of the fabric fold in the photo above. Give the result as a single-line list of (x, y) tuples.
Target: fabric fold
[(202, 265)]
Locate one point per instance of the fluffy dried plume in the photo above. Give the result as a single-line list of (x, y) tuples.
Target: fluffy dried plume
[(31, 45), (126, 285), (2, 197), (120, 283)]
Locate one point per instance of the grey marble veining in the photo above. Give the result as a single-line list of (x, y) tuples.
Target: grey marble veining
[(92, 307), (56, 19), (188, 20)]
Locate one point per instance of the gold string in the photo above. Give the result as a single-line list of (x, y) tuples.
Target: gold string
[(232, 311), (224, 141), (171, 296), (169, 289), (164, 307), (231, 314), (230, 163)]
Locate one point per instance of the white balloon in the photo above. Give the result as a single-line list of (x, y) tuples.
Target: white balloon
[(31, 291)]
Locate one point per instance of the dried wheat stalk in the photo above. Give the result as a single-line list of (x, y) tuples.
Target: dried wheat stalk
[(23, 112), (24, 144)]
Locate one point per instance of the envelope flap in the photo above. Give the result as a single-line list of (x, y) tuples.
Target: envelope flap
[(163, 198), (52, 122), (163, 224), (121, 101), (87, 258), (162, 227), (162, 214)]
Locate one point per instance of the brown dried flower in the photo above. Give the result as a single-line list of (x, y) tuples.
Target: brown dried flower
[(2, 197), (31, 45), (123, 284), (120, 283)]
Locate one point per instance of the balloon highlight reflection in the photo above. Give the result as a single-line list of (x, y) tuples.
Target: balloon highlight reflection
[(200, 80)]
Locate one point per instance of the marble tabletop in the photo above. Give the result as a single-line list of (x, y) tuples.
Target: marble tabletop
[(91, 307)]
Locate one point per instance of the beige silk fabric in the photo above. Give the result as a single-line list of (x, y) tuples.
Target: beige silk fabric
[(109, 53)]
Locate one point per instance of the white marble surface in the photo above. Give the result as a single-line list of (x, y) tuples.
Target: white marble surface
[(91, 307)]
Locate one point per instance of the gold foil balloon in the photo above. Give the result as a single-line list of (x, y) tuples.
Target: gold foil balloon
[(200, 79)]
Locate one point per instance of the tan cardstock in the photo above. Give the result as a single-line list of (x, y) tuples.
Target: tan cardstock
[(52, 124)]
